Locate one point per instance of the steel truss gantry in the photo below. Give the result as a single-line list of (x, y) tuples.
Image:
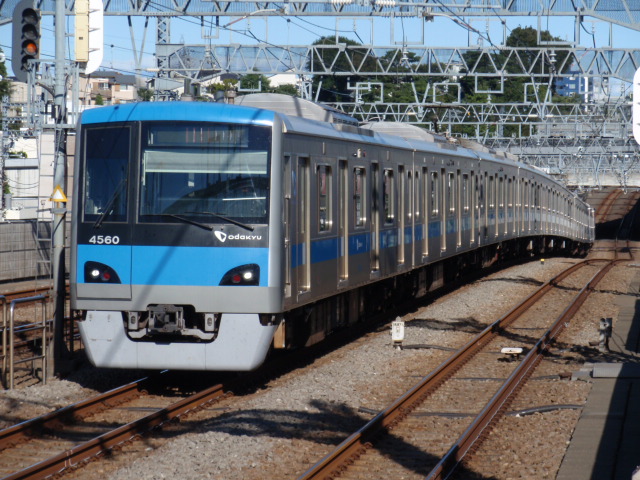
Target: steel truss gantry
[(621, 12), (550, 120), (339, 59), (581, 162)]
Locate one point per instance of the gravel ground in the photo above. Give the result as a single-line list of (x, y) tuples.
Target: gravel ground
[(304, 414)]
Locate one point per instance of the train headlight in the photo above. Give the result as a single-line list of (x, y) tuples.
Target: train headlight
[(242, 276), (96, 272)]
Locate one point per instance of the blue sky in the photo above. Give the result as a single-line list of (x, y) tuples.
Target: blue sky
[(441, 32)]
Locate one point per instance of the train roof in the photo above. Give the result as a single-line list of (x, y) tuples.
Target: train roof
[(296, 107), (177, 111), (405, 130), (298, 115)]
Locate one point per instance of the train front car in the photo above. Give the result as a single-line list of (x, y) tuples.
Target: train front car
[(171, 231)]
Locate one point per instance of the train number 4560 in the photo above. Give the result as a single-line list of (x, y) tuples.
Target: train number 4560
[(105, 240)]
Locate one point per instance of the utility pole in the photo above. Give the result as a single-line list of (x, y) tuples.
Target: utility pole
[(59, 180)]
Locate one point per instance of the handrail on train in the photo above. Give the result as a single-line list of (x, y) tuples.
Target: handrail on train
[(10, 332)]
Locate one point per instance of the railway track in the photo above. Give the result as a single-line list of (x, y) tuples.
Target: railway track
[(105, 442), (411, 438), (64, 439)]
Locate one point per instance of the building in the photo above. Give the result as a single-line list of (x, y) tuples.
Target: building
[(572, 84), (108, 88)]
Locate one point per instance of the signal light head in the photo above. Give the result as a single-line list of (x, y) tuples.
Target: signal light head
[(26, 38), (30, 48)]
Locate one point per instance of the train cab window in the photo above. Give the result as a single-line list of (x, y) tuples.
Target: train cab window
[(106, 165), (358, 196), (323, 173), (387, 196), (435, 194)]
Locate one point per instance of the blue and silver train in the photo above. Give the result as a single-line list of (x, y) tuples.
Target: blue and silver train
[(205, 234)]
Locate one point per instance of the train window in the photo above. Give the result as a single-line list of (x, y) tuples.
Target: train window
[(106, 166), (416, 194), (492, 193), (212, 171), (474, 206), (387, 196), (358, 197), (451, 187), (323, 173), (435, 194), (465, 192), (510, 193)]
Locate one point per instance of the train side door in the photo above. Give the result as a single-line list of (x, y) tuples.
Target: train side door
[(482, 210), (426, 213), (444, 192), (343, 221), (375, 219), (288, 190), (303, 230), (401, 215)]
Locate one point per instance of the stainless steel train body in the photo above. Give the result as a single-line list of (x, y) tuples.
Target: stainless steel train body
[(204, 234)]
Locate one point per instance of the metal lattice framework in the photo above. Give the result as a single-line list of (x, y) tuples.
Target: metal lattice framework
[(351, 60), (590, 162), (621, 12)]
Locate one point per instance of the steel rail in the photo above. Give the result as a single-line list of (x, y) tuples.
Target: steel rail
[(606, 205), (359, 441), (84, 451), (12, 435), (27, 292), (491, 412)]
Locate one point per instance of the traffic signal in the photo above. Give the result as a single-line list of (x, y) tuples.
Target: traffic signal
[(26, 38)]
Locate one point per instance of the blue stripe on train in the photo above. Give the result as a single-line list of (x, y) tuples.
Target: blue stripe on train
[(166, 265), (329, 249)]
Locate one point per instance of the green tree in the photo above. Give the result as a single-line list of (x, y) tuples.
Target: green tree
[(227, 84), (338, 60), (145, 94), (255, 81), (99, 100), (286, 90), (5, 84)]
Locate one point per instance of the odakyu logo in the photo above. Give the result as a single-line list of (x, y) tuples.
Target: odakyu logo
[(223, 236)]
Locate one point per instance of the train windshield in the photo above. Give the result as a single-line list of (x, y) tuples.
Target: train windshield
[(196, 169), (107, 152)]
